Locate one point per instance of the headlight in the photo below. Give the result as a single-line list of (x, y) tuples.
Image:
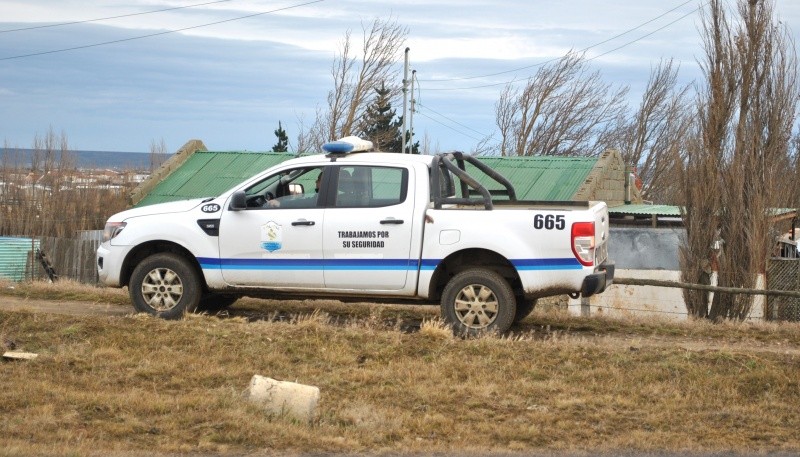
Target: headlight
[(113, 229)]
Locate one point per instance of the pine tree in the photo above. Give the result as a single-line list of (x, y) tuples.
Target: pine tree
[(412, 147), (283, 140), (379, 126)]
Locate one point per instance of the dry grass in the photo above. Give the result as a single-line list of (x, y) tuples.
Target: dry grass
[(136, 384), (64, 289)]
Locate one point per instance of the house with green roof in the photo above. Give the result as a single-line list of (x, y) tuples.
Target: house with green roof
[(193, 171)]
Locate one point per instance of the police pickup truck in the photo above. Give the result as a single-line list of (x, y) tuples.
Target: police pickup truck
[(360, 225)]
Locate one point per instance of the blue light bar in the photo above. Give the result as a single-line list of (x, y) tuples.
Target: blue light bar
[(338, 147), (346, 145)]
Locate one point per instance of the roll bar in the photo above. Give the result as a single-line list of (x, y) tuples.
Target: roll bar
[(446, 161)]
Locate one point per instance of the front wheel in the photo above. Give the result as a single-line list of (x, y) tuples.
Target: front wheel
[(165, 285), (477, 301)]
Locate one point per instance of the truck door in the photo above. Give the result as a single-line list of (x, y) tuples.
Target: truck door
[(368, 227), (277, 241)]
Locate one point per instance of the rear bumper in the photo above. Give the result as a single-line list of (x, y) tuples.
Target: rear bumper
[(597, 282)]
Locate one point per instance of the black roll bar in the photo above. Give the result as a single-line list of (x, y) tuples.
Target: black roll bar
[(445, 160)]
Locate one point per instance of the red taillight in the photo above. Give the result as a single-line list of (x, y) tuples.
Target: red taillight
[(583, 242)]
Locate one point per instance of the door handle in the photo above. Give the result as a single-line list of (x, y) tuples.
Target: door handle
[(296, 223), (392, 221)]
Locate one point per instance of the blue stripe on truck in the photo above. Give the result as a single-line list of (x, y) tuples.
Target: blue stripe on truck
[(307, 264), (569, 263)]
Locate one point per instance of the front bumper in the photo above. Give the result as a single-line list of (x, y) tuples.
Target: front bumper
[(108, 260), (597, 282)]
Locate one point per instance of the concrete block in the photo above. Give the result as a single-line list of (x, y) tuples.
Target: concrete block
[(297, 401), (13, 355)]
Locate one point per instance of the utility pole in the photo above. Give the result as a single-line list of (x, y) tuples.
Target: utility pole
[(411, 116), (405, 99)]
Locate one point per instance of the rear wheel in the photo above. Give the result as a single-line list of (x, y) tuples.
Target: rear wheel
[(165, 285), (477, 301)]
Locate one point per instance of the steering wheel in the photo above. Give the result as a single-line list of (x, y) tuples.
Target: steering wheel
[(259, 200)]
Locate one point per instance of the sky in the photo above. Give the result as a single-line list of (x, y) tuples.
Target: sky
[(226, 72)]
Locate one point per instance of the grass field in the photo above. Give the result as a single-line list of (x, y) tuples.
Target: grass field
[(560, 384)]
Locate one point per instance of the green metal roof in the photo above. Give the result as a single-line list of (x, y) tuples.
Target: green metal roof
[(208, 174), (540, 177), (675, 211), (645, 210)]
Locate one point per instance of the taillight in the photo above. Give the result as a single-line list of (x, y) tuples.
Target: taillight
[(583, 242)]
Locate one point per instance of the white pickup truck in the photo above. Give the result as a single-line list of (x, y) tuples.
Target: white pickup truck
[(366, 226)]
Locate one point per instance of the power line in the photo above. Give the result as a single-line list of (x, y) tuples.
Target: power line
[(448, 126), (646, 35), (166, 32), (451, 120), (111, 17), (591, 58), (482, 136), (551, 60), (579, 51)]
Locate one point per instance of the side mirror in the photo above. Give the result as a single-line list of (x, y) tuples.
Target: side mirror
[(238, 201)]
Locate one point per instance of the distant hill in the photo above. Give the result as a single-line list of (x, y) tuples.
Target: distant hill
[(85, 159)]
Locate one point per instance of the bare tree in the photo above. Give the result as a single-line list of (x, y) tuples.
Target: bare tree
[(49, 196), (746, 114), (428, 146), (564, 109), (654, 138), (302, 136), (354, 79), (158, 154), (505, 111), (794, 166), (483, 147), (702, 183)]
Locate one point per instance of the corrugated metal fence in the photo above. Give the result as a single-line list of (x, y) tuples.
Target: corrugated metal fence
[(16, 257), (70, 258)]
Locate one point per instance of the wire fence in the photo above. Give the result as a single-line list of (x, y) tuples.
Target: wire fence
[(782, 291), (784, 275)]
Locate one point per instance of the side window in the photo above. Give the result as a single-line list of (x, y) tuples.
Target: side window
[(295, 188), (371, 186)]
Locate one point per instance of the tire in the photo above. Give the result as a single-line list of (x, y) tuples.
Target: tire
[(476, 301), (165, 285), (213, 303), (524, 308)]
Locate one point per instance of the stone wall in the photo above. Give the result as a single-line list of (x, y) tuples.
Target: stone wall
[(606, 182)]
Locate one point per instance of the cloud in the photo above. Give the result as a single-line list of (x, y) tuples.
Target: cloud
[(229, 84)]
